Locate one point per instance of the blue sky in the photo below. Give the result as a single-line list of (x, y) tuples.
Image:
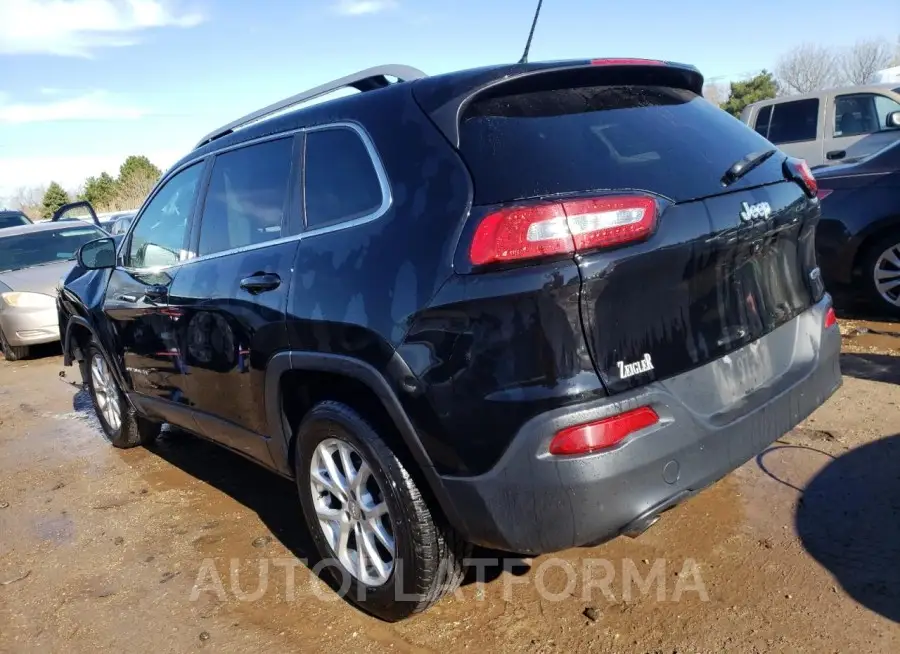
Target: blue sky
[(84, 83)]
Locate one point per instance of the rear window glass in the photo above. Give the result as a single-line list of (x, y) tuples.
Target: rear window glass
[(12, 219), (660, 139), (43, 246)]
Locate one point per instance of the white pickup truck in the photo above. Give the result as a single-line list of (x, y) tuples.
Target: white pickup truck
[(829, 126)]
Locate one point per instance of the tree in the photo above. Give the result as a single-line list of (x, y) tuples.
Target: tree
[(100, 191), (715, 93), (864, 59), (54, 198), (760, 87), (137, 176), (808, 67)]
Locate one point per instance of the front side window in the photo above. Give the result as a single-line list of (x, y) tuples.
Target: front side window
[(247, 197), (794, 121), (158, 237), (862, 113), (340, 180)]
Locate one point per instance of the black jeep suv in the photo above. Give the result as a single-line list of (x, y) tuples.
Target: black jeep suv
[(527, 307)]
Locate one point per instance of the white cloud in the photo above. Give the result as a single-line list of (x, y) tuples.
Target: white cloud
[(95, 105), (361, 7), (77, 27)]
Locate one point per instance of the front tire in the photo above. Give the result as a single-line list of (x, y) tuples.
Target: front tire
[(381, 542), (120, 423), (12, 352), (881, 270)]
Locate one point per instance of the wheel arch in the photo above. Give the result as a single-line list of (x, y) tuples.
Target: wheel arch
[(362, 376)]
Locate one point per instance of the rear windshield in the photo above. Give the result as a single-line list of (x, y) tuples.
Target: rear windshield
[(664, 140), (43, 246), (12, 219)]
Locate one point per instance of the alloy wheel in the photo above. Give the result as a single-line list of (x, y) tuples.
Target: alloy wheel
[(352, 511), (106, 392), (887, 275)]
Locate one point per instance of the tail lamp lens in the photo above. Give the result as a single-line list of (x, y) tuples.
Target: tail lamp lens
[(594, 436), (541, 230), (830, 318), (799, 170)]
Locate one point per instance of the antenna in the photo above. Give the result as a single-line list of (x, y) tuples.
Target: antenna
[(537, 13)]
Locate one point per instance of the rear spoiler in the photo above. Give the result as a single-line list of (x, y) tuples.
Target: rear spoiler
[(59, 213), (445, 97)]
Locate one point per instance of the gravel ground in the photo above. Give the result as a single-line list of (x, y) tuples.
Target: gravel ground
[(106, 551)]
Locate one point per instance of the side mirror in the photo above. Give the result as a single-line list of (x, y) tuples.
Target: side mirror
[(98, 254), (893, 119)]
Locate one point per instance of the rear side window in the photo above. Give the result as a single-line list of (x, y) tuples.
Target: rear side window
[(341, 182), (763, 119), (247, 197), (794, 121), (659, 139)]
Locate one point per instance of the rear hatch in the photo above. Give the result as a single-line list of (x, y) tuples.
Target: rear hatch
[(721, 265)]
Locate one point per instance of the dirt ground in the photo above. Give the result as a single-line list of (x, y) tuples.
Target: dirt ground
[(108, 551)]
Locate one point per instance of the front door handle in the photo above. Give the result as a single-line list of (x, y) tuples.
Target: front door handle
[(156, 293), (260, 283), (836, 154)]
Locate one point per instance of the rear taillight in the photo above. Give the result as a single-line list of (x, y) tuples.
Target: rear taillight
[(594, 436), (627, 62), (798, 170), (549, 229), (830, 318), (823, 193)]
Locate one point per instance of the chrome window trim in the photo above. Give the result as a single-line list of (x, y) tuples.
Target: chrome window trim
[(387, 198)]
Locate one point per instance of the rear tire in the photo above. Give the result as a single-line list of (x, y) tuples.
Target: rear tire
[(12, 352), (427, 558), (881, 263), (120, 423)]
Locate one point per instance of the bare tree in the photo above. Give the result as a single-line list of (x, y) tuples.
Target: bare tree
[(28, 200), (808, 67), (716, 93), (864, 59)]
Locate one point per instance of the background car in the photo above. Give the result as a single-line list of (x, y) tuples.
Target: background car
[(858, 239), (33, 259), (831, 126), (13, 219)]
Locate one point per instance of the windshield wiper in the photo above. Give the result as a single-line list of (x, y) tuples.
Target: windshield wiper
[(745, 165)]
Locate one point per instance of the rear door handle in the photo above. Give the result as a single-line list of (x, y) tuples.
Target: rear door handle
[(260, 283), (836, 154)]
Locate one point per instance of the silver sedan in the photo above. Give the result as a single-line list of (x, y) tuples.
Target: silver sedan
[(33, 258)]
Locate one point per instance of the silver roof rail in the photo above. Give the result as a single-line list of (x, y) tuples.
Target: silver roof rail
[(365, 80)]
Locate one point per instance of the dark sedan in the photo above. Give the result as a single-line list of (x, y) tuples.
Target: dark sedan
[(858, 238)]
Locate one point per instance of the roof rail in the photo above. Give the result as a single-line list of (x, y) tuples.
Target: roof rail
[(365, 80)]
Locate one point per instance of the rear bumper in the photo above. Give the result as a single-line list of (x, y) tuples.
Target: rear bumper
[(30, 326), (712, 420)]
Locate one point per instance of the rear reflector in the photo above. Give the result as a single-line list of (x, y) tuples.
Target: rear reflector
[(594, 436), (627, 62), (541, 230), (830, 318)]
